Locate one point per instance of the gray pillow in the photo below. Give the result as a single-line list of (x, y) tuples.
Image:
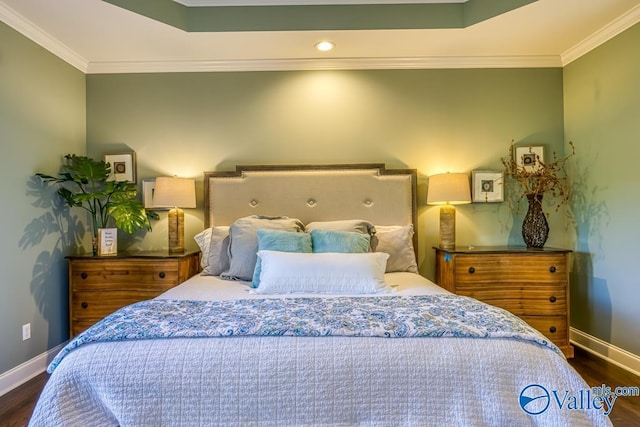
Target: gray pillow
[(397, 241), (357, 225), (243, 242), (218, 253)]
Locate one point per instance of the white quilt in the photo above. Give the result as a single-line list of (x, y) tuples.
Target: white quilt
[(276, 381)]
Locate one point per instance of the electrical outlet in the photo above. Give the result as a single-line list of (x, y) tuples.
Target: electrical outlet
[(26, 331)]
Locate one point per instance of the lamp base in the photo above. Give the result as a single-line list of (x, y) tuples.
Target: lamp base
[(447, 238), (176, 230)]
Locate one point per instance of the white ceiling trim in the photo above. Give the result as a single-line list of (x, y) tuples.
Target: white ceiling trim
[(209, 3), (325, 64), (47, 41), (42, 38), (601, 36)]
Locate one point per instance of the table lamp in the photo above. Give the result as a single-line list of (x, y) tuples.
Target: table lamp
[(175, 193), (448, 189)]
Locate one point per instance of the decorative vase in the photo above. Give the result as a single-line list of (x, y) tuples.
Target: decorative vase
[(535, 228)]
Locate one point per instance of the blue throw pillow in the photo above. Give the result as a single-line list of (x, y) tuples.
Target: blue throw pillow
[(282, 241), (340, 241)]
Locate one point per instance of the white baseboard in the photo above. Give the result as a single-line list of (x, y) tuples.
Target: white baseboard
[(29, 369), (609, 352)]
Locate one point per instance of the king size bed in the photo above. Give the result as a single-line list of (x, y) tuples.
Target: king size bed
[(310, 311)]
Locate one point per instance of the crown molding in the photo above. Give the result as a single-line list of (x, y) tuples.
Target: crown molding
[(42, 38), (324, 64), (602, 36)]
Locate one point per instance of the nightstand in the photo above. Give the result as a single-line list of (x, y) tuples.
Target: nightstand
[(533, 284), (98, 286)]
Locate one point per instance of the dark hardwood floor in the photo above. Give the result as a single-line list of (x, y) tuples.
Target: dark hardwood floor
[(17, 405)]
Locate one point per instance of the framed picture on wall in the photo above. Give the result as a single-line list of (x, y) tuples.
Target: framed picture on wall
[(123, 166), (487, 186), (529, 157), (148, 187)]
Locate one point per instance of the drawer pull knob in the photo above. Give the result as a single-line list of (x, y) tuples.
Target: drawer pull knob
[(552, 329), (472, 270), (84, 304), (162, 275), (552, 299), (552, 269), (84, 275)]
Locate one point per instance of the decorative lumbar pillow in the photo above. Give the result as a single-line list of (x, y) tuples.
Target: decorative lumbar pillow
[(218, 256), (278, 240), (243, 242), (339, 241), (397, 241), (337, 273)]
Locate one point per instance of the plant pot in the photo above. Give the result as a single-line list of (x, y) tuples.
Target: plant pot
[(535, 228)]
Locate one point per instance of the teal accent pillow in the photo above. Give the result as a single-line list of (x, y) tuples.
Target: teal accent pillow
[(281, 241), (340, 241)]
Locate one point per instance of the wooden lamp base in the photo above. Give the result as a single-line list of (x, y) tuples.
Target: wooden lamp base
[(176, 230), (447, 238)]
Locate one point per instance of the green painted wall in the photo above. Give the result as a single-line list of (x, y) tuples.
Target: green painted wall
[(42, 117), (432, 120), (602, 117)]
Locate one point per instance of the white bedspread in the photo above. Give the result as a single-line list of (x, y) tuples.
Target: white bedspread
[(275, 381)]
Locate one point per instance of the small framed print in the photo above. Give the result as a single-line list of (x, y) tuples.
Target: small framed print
[(148, 187), (487, 186), (107, 241), (529, 157), (123, 166)]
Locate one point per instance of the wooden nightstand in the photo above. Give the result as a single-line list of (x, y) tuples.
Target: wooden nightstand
[(531, 283), (98, 286)]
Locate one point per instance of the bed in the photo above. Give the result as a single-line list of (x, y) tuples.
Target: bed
[(310, 335)]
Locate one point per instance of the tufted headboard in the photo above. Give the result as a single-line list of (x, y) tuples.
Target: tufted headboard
[(313, 193)]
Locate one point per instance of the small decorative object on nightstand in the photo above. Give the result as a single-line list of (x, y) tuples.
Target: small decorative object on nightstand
[(532, 284), (98, 286)]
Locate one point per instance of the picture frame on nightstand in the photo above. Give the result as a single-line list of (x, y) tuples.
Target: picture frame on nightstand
[(487, 186)]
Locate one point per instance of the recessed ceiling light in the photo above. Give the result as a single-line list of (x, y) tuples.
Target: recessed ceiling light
[(325, 46)]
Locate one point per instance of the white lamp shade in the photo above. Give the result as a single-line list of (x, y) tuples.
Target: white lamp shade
[(172, 192), (449, 189)]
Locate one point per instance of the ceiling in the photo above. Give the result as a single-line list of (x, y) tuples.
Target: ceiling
[(102, 36)]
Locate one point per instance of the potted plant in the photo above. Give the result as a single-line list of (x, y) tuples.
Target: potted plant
[(532, 178), (84, 182)]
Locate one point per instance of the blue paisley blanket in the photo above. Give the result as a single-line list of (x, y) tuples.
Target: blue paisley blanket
[(381, 316)]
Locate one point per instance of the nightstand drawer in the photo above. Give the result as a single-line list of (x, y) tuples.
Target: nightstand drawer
[(520, 268), (125, 275), (96, 305), (553, 327), (521, 300)]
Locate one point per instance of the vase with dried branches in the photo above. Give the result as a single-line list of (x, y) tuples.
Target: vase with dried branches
[(532, 182)]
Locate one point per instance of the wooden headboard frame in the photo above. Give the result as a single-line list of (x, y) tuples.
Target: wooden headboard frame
[(313, 193)]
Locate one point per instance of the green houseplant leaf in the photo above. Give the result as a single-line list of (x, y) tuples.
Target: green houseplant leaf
[(84, 182)]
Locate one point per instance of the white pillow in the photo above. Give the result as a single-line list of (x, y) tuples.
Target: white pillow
[(397, 241), (339, 273), (214, 245), (202, 239)]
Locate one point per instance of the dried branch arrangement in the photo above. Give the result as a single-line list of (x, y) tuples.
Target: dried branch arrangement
[(545, 178)]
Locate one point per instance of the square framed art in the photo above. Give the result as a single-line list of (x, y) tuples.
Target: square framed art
[(529, 157), (487, 186), (123, 166)]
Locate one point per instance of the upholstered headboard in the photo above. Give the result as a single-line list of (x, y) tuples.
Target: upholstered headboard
[(313, 193)]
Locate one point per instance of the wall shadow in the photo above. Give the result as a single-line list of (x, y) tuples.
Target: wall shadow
[(49, 282), (590, 298)]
